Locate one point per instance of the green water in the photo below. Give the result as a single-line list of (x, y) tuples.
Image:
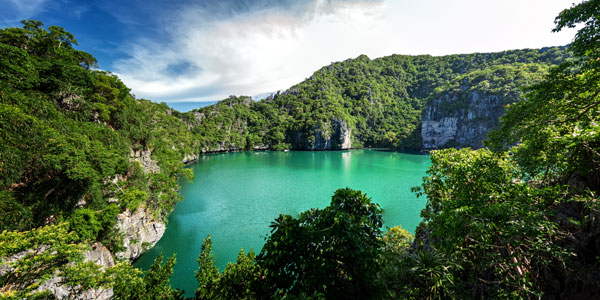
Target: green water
[(235, 196)]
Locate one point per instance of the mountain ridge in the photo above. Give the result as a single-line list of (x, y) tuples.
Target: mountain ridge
[(86, 162), (380, 101)]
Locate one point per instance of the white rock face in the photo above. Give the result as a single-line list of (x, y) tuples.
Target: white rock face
[(189, 158), (346, 139), (450, 122), (438, 133), (223, 146), (334, 135), (140, 230), (99, 255), (143, 156)]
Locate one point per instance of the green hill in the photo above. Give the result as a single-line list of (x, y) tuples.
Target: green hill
[(86, 169), (366, 103)]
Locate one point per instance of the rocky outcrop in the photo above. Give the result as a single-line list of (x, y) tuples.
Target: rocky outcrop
[(189, 158), (224, 146), (334, 135), (99, 255), (140, 232), (460, 120), (143, 156), (345, 136)]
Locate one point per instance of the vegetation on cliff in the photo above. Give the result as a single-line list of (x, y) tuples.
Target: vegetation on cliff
[(517, 220), (68, 138), (379, 102), (521, 221)]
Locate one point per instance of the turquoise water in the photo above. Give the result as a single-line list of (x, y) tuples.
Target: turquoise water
[(235, 196)]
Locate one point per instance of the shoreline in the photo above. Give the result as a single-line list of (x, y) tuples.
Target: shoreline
[(383, 149)]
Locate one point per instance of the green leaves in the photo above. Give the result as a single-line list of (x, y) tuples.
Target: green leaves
[(587, 38), (91, 225), (67, 133), (153, 284), (240, 280), (132, 198), (16, 69), (66, 136), (31, 257), (85, 222), (333, 251), (207, 274), (493, 225)]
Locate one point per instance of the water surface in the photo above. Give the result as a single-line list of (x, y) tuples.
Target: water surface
[(235, 196)]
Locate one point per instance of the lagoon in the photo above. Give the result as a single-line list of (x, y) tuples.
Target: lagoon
[(235, 196)]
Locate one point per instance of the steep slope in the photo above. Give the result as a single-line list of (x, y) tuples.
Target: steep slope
[(462, 112), (82, 162), (379, 103), (85, 163)]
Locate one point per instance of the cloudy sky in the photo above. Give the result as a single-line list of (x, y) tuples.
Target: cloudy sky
[(204, 50)]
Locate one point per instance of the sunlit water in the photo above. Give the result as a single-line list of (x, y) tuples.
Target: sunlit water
[(235, 196)]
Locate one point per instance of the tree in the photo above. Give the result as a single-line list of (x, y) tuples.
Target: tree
[(587, 39), (153, 284), (333, 251), (207, 274), (497, 227), (557, 122), (31, 257), (557, 135), (239, 280)]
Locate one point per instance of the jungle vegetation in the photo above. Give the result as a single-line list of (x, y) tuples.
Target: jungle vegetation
[(517, 219), (380, 101)]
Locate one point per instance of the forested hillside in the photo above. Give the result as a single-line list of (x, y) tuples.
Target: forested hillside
[(371, 103), (517, 220), (78, 155), (86, 170)]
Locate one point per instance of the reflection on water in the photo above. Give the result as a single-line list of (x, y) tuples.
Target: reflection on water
[(346, 159)]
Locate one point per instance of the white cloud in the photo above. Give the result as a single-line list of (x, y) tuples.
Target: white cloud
[(21, 9), (29, 7), (211, 57)]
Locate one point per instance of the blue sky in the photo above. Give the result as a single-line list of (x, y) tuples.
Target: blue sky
[(204, 50)]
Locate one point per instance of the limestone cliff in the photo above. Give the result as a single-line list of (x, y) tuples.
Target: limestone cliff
[(462, 113), (140, 232), (334, 135), (143, 156), (56, 285), (449, 122), (189, 158), (236, 123)]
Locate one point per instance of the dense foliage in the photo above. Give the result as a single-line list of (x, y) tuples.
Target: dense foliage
[(54, 254), (331, 253), (72, 141), (69, 134), (521, 220), (517, 220), (378, 101), (495, 226)]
